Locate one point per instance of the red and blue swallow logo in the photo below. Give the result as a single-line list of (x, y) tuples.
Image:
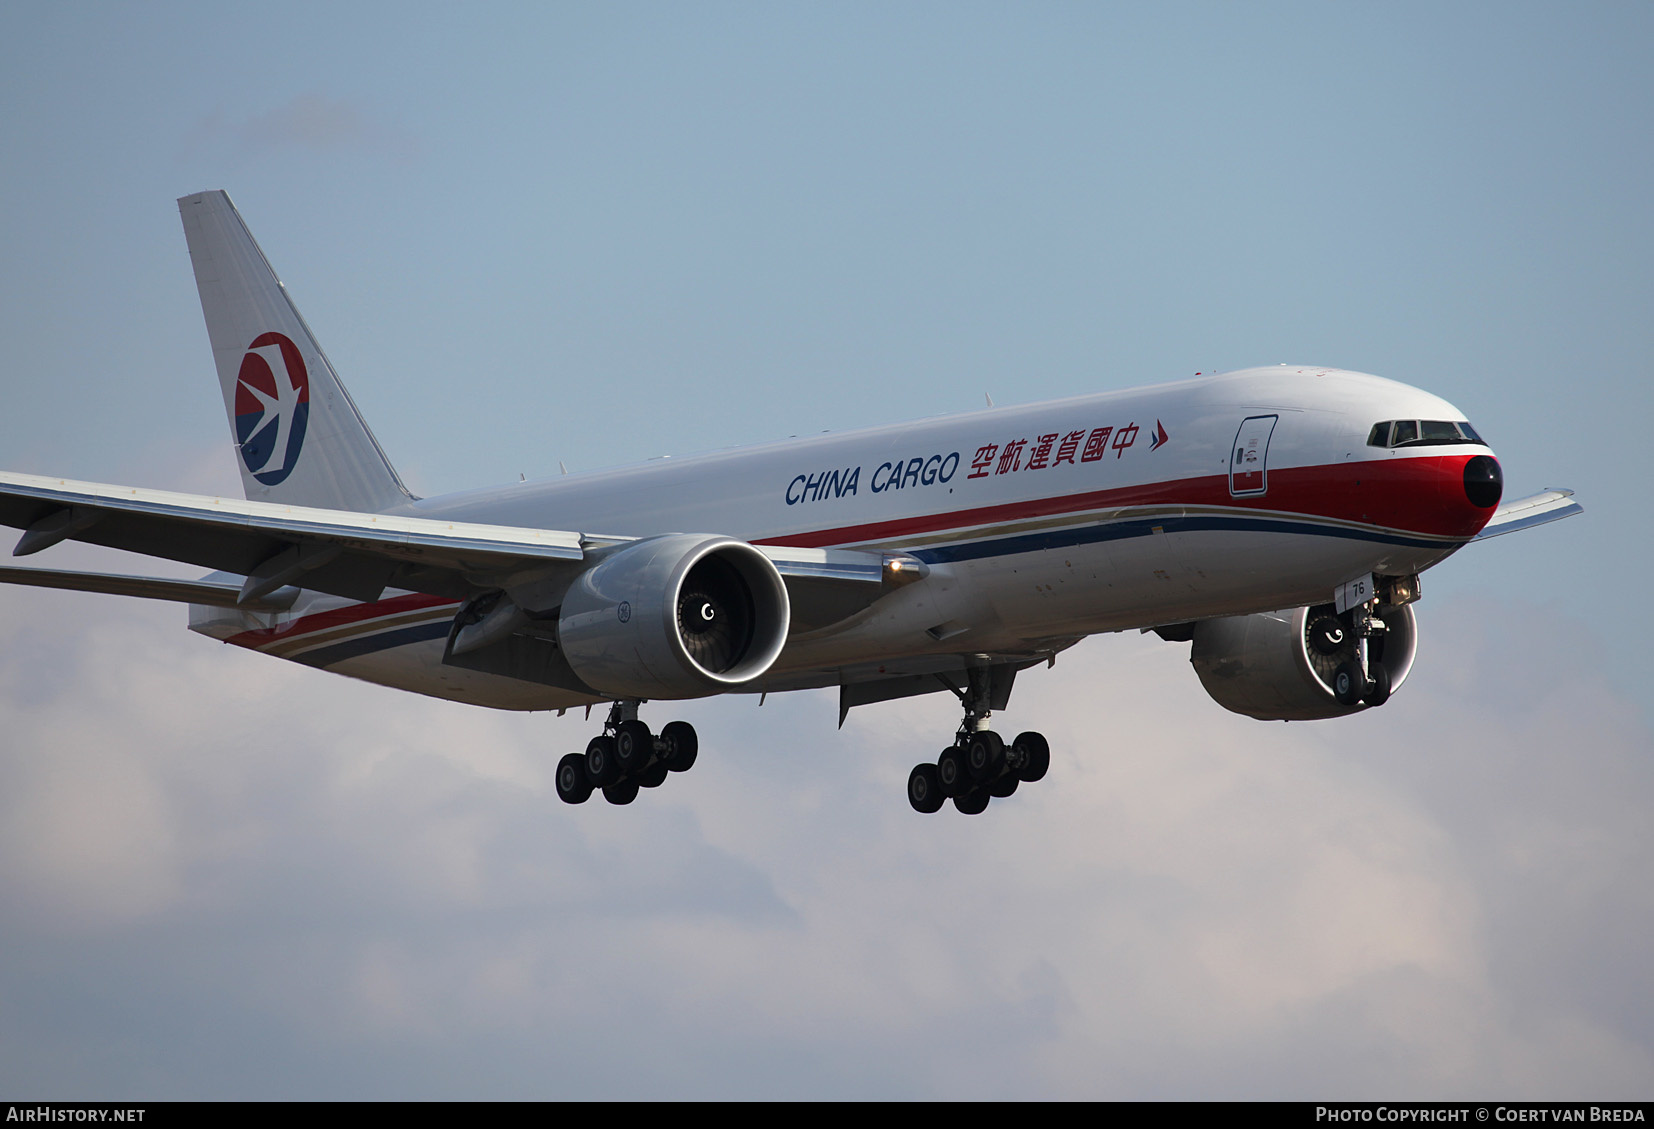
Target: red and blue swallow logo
[(272, 407), (1160, 436)]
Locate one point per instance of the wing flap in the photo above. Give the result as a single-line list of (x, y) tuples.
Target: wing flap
[(218, 593)]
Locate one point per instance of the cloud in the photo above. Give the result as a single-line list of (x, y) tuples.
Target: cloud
[(234, 876)]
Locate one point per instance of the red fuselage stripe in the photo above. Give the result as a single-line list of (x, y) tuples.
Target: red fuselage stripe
[(339, 617), (1420, 495)]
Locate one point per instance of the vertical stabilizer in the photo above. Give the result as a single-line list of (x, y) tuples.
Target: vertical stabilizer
[(299, 438)]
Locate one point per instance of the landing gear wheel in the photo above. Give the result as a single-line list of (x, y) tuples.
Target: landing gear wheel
[(985, 754), (601, 766), (634, 746), (1005, 786), (951, 772), (623, 793), (974, 802), (1348, 683), (1033, 756), (653, 776), (574, 786), (924, 789), (681, 745), (1378, 689)]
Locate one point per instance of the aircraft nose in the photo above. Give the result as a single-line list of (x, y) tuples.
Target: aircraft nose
[(1484, 482)]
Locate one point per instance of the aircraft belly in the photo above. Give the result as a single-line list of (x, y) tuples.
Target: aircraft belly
[(396, 642), (1027, 602), (418, 667)]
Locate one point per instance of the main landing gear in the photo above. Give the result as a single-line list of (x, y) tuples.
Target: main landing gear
[(978, 766), (626, 757)]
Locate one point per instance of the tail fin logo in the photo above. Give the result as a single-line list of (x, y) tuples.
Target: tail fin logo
[(272, 407)]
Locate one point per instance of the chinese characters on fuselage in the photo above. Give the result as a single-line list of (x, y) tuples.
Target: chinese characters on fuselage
[(1042, 452)]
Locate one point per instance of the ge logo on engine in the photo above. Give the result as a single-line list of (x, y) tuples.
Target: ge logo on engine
[(624, 611)]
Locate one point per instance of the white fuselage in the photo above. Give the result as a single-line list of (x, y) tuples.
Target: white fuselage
[(1225, 495)]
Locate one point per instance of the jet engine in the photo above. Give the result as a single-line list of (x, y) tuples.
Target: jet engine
[(1283, 666), (678, 616)]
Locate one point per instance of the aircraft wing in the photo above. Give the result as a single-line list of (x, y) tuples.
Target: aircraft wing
[(354, 555), (1525, 513), (218, 593)]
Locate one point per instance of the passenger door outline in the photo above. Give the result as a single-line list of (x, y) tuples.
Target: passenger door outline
[(1249, 456)]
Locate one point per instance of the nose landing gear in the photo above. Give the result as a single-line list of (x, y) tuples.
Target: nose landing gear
[(626, 757), (1362, 677)]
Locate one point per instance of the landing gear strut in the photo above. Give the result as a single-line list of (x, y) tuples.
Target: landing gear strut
[(1364, 677), (978, 766), (626, 757)]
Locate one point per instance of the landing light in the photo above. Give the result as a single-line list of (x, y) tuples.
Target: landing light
[(900, 570)]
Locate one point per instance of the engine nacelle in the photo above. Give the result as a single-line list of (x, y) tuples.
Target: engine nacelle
[(678, 616), (1266, 667)]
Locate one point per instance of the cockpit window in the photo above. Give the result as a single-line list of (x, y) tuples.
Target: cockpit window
[(1421, 433)]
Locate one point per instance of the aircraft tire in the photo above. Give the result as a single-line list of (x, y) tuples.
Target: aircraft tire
[(681, 745), (951, 772), (634, 746), (1033, 756), (601, 765), (1004, 786), (974, 802), (1348, 683), (653, 776), (1378, 688), (574, 784), (622, 793), (985, 754), (924, 789)]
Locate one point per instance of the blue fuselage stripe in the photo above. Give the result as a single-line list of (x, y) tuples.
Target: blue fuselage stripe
[(1145, 527), (368, 644)]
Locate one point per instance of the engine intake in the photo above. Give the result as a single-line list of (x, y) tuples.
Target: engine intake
[(1279, 666), (679, 616)]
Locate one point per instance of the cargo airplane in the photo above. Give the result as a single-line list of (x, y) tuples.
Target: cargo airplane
[(1277, 519)]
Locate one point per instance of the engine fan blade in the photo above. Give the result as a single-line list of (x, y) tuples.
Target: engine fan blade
[(715, 615)]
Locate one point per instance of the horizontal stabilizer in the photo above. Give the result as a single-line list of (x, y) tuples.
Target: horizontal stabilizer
[(1536, 509)]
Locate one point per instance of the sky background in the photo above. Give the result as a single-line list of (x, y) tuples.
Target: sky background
[(599, 233)]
